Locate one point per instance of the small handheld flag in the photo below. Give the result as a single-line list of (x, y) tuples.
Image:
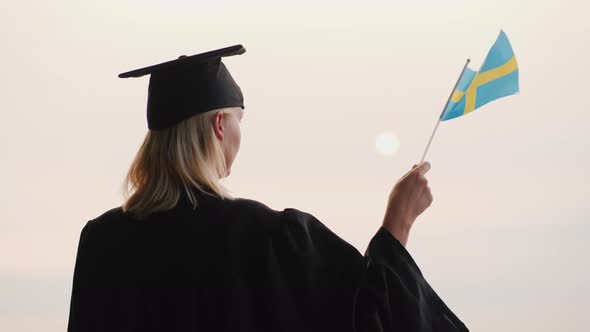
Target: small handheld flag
[(497, 78)]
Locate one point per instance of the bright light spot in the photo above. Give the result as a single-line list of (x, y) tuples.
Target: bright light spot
[(387, 143)]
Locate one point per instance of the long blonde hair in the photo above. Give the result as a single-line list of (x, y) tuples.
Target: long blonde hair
[(171, 161)]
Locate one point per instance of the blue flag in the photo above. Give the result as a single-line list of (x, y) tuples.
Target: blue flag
[(498, 77)]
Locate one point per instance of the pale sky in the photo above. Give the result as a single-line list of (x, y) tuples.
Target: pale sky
[(505, 241)]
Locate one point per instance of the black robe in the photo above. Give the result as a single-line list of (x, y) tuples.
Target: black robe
[(242, 266)]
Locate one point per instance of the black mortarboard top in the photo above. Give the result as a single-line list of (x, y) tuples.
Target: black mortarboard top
[(189, 85)]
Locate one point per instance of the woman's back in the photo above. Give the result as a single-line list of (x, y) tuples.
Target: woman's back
[(238, 265)]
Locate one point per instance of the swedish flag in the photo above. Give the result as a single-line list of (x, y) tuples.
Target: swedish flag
[(498, 77)]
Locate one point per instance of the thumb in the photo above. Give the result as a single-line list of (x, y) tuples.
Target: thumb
[(423, 167)]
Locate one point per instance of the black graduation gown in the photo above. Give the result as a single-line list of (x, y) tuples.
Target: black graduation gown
[(242, 266)]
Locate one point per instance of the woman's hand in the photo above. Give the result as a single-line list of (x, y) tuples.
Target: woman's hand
[(408, 199)]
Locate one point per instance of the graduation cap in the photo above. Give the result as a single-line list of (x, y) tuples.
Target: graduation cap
[(189, 85)]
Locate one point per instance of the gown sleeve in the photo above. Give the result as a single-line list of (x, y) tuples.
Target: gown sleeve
[(85, 290), (338, 289)]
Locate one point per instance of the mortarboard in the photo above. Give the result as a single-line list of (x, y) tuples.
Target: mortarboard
[(189, 85)]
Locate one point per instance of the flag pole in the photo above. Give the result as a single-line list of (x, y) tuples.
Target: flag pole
[(443, 110)]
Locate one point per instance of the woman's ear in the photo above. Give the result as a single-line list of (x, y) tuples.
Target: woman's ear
[(218, 125)]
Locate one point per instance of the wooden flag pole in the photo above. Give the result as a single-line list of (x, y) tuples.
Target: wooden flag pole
[(443, 111)]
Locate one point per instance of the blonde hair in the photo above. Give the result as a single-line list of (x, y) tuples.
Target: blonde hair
[(172, 161)]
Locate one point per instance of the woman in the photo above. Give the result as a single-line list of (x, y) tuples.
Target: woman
[(183, 255)]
